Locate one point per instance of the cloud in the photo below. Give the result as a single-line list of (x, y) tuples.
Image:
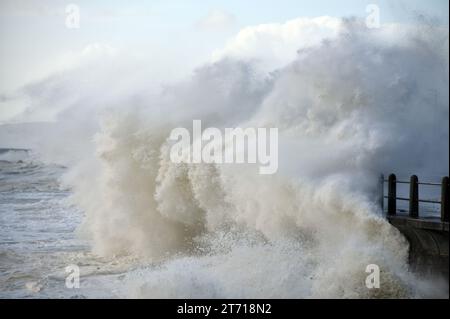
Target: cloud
[(277, 43), (73, 72), (57, 8), (216, 20), (32, 8)]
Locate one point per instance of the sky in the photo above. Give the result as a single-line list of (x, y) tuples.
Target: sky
[(171, 36)]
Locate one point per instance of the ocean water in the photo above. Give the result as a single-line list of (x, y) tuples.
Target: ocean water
[(38, 237)]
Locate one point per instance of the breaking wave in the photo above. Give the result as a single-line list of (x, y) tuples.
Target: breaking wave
[(347, 109)]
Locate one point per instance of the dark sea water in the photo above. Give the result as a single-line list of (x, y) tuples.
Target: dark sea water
[(38, 234)]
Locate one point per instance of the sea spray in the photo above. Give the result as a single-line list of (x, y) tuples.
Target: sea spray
[(346, 109)]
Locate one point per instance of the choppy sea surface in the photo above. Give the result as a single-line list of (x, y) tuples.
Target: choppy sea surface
[(38, 235)]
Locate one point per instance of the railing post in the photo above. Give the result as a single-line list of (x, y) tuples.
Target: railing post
[(381, 192), (444, 200), (392, 194), (414, 197)]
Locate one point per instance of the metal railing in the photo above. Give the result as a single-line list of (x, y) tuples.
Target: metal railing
[(414, 199)]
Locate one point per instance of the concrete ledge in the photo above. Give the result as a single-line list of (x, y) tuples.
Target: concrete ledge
[(431, 223), (429, 243)]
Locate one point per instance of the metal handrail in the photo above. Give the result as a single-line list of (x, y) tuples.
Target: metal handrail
[(430, 201), (420, 183), (414, 199), (430, 184)]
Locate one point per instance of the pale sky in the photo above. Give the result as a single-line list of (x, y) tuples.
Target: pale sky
[(173, 36)]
